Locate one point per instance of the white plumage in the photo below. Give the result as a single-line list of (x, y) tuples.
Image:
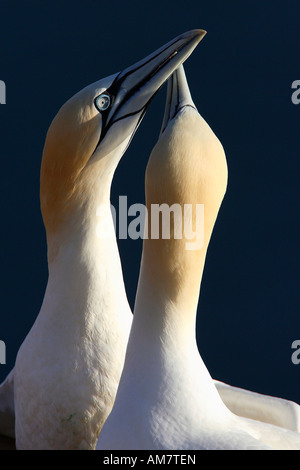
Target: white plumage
[(166, 397), (67, 370)]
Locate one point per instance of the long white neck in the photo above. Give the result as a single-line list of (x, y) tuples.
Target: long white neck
[(167, 294), (85, 273), (163, 337), (162, 353)]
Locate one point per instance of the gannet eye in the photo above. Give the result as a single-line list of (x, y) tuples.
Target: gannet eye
[(102, 102)]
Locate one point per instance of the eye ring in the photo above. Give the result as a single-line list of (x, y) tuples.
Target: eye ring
[(102, 102)]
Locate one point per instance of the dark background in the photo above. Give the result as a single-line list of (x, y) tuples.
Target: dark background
[(240, 77)]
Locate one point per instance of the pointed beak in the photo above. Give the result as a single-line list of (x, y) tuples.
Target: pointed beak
[(134, 87), (178, 96)]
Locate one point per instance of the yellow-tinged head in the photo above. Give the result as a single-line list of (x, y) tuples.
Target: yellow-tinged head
[(70, 143), (186, 167), (92, 130)]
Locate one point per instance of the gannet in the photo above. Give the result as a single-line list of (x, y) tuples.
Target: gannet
[(166, 397), (67, 369)]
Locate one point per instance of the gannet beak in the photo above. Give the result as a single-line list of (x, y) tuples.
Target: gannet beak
[(178, 96), (132, 89)]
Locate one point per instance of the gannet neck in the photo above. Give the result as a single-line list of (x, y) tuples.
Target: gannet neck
[(85, 299), (187, 147), (187, 166), (80, 211)]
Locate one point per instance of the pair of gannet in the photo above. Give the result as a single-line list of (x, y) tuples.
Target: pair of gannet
[(67, 370), (166, 397)]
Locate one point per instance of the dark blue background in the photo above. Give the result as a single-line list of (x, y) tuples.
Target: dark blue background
[(240, 77)]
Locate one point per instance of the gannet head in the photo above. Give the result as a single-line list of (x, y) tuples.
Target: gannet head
[(187, 166), (92, 130)]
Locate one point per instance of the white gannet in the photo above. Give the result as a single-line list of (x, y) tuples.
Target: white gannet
[(166, 397), (67, 369)]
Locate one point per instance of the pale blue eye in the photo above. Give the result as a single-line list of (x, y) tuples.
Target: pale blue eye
[(102, 102)]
